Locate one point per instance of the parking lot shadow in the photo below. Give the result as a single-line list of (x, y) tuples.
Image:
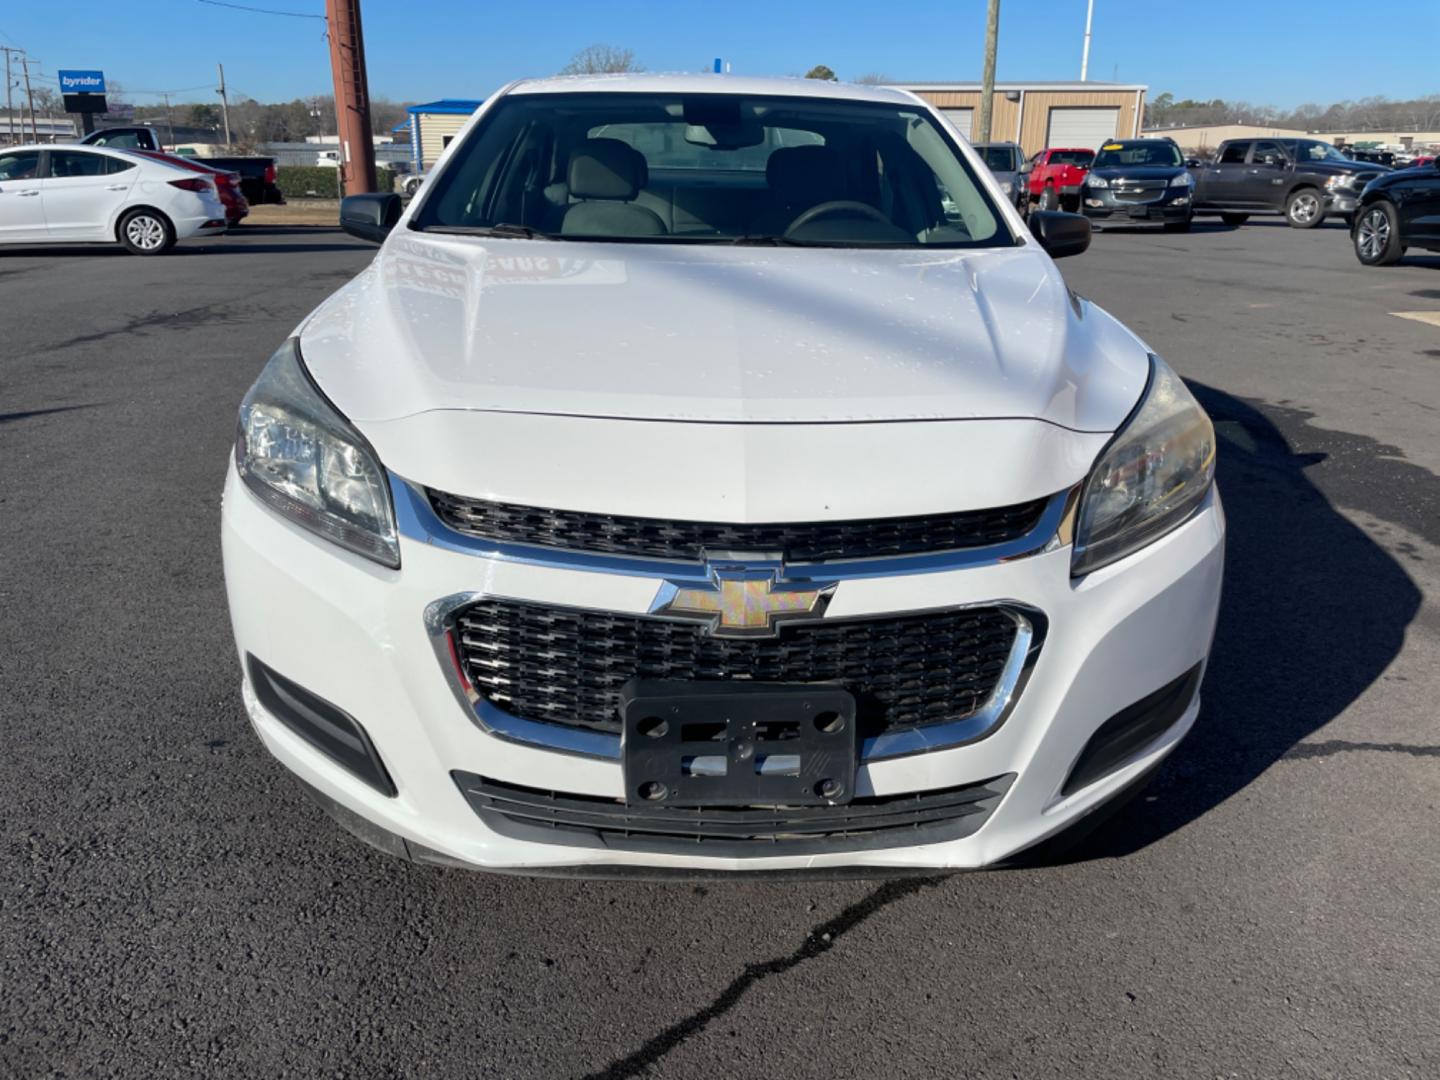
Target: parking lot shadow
[(1313, 612)]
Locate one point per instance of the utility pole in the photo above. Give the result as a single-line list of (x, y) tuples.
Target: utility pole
[(224, 104), (9, 97), (169, 119), (352, 97), (1085, 56), (987, 80), (25, 63)]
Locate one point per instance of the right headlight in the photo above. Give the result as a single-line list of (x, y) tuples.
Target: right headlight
[(307, 463), (1151, 477)]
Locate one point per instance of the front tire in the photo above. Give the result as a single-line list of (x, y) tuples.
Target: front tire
[(1377, 235), (1234, 220), (146, 232), (1303, 209)]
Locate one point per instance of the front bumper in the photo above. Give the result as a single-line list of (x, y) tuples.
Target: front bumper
[(1341, 202), (1102, 205), (354, 634)]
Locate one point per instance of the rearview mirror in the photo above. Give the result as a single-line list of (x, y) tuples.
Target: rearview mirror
[(1060, 234), (370, 217)]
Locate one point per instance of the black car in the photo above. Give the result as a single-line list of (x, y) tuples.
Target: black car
[(1399, 210), (1140, 181), (1303, 179), (1373, 157)]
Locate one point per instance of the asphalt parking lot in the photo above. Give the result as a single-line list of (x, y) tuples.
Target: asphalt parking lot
[(173, 905)]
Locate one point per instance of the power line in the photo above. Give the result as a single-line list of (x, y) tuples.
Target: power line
[(263, 11)]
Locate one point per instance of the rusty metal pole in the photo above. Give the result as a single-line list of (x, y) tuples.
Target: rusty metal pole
[(352, 97)]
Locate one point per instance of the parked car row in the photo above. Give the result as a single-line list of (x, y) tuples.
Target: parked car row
[(1150, 181), (257, 174)]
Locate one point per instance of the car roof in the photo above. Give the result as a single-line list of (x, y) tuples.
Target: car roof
[(751, 86), (84, 148)]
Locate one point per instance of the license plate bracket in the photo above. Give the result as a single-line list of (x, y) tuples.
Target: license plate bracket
[(737, 744)]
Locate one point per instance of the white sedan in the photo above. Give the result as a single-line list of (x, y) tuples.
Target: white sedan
[(716, 474), (91, 194)]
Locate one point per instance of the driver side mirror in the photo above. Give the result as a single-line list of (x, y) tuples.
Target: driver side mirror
[(371, 216), (1059, 233)]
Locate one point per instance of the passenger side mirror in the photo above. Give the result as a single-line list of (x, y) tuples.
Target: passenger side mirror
[(1026, 166), (1060, 234), (370, 217)]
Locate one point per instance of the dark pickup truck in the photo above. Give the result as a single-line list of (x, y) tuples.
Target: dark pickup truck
[(257, 177), (1303, 179)]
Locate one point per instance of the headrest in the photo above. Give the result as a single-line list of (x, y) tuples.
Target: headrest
[(607, 169), (806, 174)]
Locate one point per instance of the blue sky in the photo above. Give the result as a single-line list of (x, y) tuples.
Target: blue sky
[(1257, 51)]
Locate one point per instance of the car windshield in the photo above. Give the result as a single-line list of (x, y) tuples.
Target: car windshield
[(1000, 158), (1320, 151), (1071, 157), (652, 168), (1162, 154)]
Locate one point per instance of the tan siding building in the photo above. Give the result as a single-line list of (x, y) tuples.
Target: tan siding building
[(433, 125), (1209, 136), (1041, 114)]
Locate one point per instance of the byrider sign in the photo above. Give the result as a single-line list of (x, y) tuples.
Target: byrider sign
[(82, 82)]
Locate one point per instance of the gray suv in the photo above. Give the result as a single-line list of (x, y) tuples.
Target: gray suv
[(1004, 160)]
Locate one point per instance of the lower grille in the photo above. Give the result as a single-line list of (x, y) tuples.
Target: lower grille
[(568, 666), (876, 821)]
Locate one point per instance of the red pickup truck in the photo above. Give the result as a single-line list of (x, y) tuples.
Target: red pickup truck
[(1054, 175)]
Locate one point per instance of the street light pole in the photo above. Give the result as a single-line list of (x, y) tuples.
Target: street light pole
[(1085, 56), (987, 81)]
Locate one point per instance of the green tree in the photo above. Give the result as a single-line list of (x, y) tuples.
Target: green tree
[(820, 71)]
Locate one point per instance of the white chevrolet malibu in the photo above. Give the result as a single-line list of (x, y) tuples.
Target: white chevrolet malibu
[(715, 474)]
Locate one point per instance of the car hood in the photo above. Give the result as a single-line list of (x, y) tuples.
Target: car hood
[(1138, 172), (698, 332), (1337, 168)]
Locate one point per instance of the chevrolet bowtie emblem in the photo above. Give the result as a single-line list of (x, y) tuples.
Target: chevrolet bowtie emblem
[(743, 603)]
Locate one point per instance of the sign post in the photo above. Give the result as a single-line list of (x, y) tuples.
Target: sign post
[(84, 94)]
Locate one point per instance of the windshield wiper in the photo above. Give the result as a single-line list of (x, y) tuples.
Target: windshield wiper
[(763, 240), (504, 230)]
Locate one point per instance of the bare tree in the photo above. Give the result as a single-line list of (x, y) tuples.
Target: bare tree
[(873, 78), (601, 59)]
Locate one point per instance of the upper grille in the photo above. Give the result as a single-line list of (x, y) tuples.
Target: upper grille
[(568, 666), (873, 821), (796, 542), (1137, 191)]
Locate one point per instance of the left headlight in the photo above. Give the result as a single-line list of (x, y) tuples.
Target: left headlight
[(305, 460), (1152, 476), (1183, 180)]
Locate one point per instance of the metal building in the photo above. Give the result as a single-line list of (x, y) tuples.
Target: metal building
[(1041, 114)]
